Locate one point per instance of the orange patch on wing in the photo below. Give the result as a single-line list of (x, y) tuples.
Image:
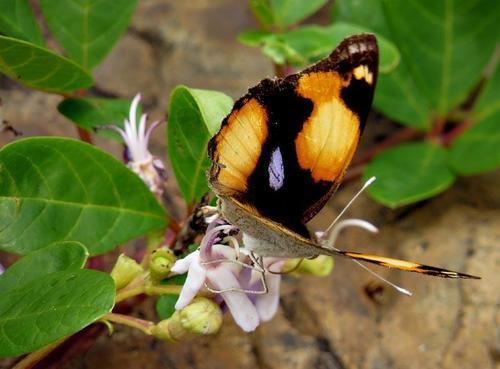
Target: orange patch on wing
[(385, 261), (330, 135), (239, 144)]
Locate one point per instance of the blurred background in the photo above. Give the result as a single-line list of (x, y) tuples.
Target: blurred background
[(347, 320)]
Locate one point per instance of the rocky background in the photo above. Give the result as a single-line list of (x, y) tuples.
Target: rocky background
[(347, 320)]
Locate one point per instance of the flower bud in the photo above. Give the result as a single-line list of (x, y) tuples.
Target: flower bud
[(125, 270), (320, 266), (160, 263), (201, 317)]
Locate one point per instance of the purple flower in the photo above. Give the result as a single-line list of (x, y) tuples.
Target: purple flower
[(141, 161), (220, 265)]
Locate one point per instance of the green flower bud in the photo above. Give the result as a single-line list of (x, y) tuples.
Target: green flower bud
[(320, 266), (125, 270), (160, 263), (201, 317)]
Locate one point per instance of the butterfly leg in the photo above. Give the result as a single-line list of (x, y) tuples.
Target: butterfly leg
[(257, 266)]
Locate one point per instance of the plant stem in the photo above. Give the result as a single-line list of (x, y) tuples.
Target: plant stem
[(163, 289), (401, 136), (30, 360), (143, 325), (144, 287), (84, 135), (128, 292), (279, 70), (354, 173), (450, 136)]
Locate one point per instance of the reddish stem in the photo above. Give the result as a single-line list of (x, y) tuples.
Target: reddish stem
[(84, 135), (450, 136), (279, 70), (401, 136)]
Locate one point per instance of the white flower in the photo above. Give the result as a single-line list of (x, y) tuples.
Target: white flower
[(141, 161)]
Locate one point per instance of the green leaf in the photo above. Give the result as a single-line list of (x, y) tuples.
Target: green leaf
[(262, 11), (308, 44), (55, 189), (314, 43), (409, 173), (59, 256), (254, 37), (40, 68), (92, 113), (88, 29), (446, 44), (288, 12), (17, 20), (477, 149), (178, 280), (194, 117), (367, 13), (52, 307), (488, 101), (397, 95), (165, 306)]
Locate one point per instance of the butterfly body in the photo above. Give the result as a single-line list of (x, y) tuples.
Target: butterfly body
[(284, 148)]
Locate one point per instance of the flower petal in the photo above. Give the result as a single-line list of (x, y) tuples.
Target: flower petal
[(194, 281), (267, 304), (133, 113), (181, 266), (238, 303)]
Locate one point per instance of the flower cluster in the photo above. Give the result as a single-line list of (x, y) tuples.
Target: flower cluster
[(222, 267)]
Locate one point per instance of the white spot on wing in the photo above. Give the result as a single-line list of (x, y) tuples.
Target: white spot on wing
[(276, 170)]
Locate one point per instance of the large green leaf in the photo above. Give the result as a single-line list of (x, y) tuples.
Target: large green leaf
[(367, 13), (54, 189), (262, 11), (91, 113), (88, 29), (409, 173), (66, 255), (40, 68), (194, 117), (478, 149), (288, 12), (446, 44), (308, 44), (52, 307), (397, 95), (17, 20)]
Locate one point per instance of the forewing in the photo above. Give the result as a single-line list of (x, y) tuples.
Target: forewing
[(286, 144)]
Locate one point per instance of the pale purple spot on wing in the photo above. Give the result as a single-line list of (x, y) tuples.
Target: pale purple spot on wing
[(276, 170)]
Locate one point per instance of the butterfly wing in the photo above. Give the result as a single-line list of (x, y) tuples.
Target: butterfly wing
[(404, 265), (286, 144)]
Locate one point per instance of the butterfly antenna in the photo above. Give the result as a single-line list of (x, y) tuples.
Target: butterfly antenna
[(360, 191), (402, 290)]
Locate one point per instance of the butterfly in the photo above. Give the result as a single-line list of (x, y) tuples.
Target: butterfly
[(282, 152)]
